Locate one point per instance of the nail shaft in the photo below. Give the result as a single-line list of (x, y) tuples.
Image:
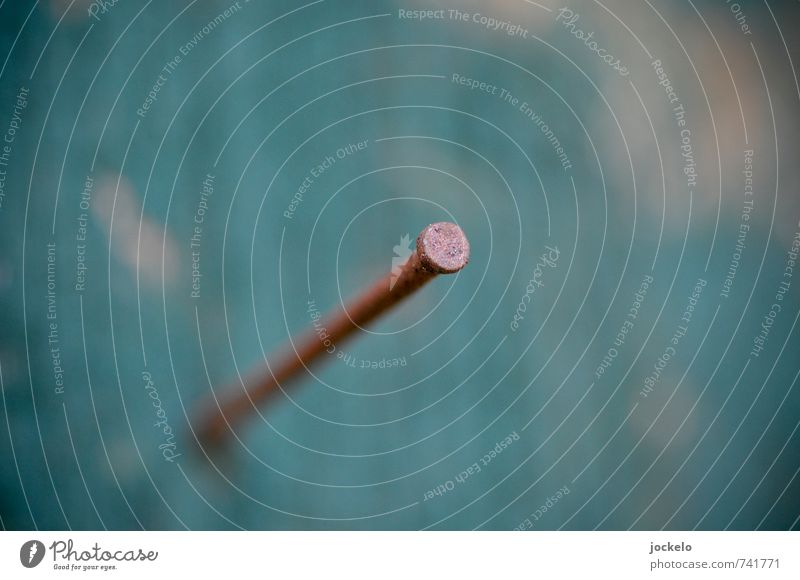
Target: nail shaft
[(442, 248)]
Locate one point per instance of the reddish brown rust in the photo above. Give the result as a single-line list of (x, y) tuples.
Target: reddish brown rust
[(442, 248)]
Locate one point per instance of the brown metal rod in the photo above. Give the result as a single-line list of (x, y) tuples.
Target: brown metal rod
[(442, 248)]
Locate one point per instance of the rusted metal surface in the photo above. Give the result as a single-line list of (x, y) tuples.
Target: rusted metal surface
[(442, 248)]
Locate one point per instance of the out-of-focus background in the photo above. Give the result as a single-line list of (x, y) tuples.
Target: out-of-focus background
[(183, 184)]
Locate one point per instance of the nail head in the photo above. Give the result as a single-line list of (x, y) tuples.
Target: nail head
[(443, 248)]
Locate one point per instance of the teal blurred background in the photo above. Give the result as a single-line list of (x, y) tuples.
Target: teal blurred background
[(150, 251)]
